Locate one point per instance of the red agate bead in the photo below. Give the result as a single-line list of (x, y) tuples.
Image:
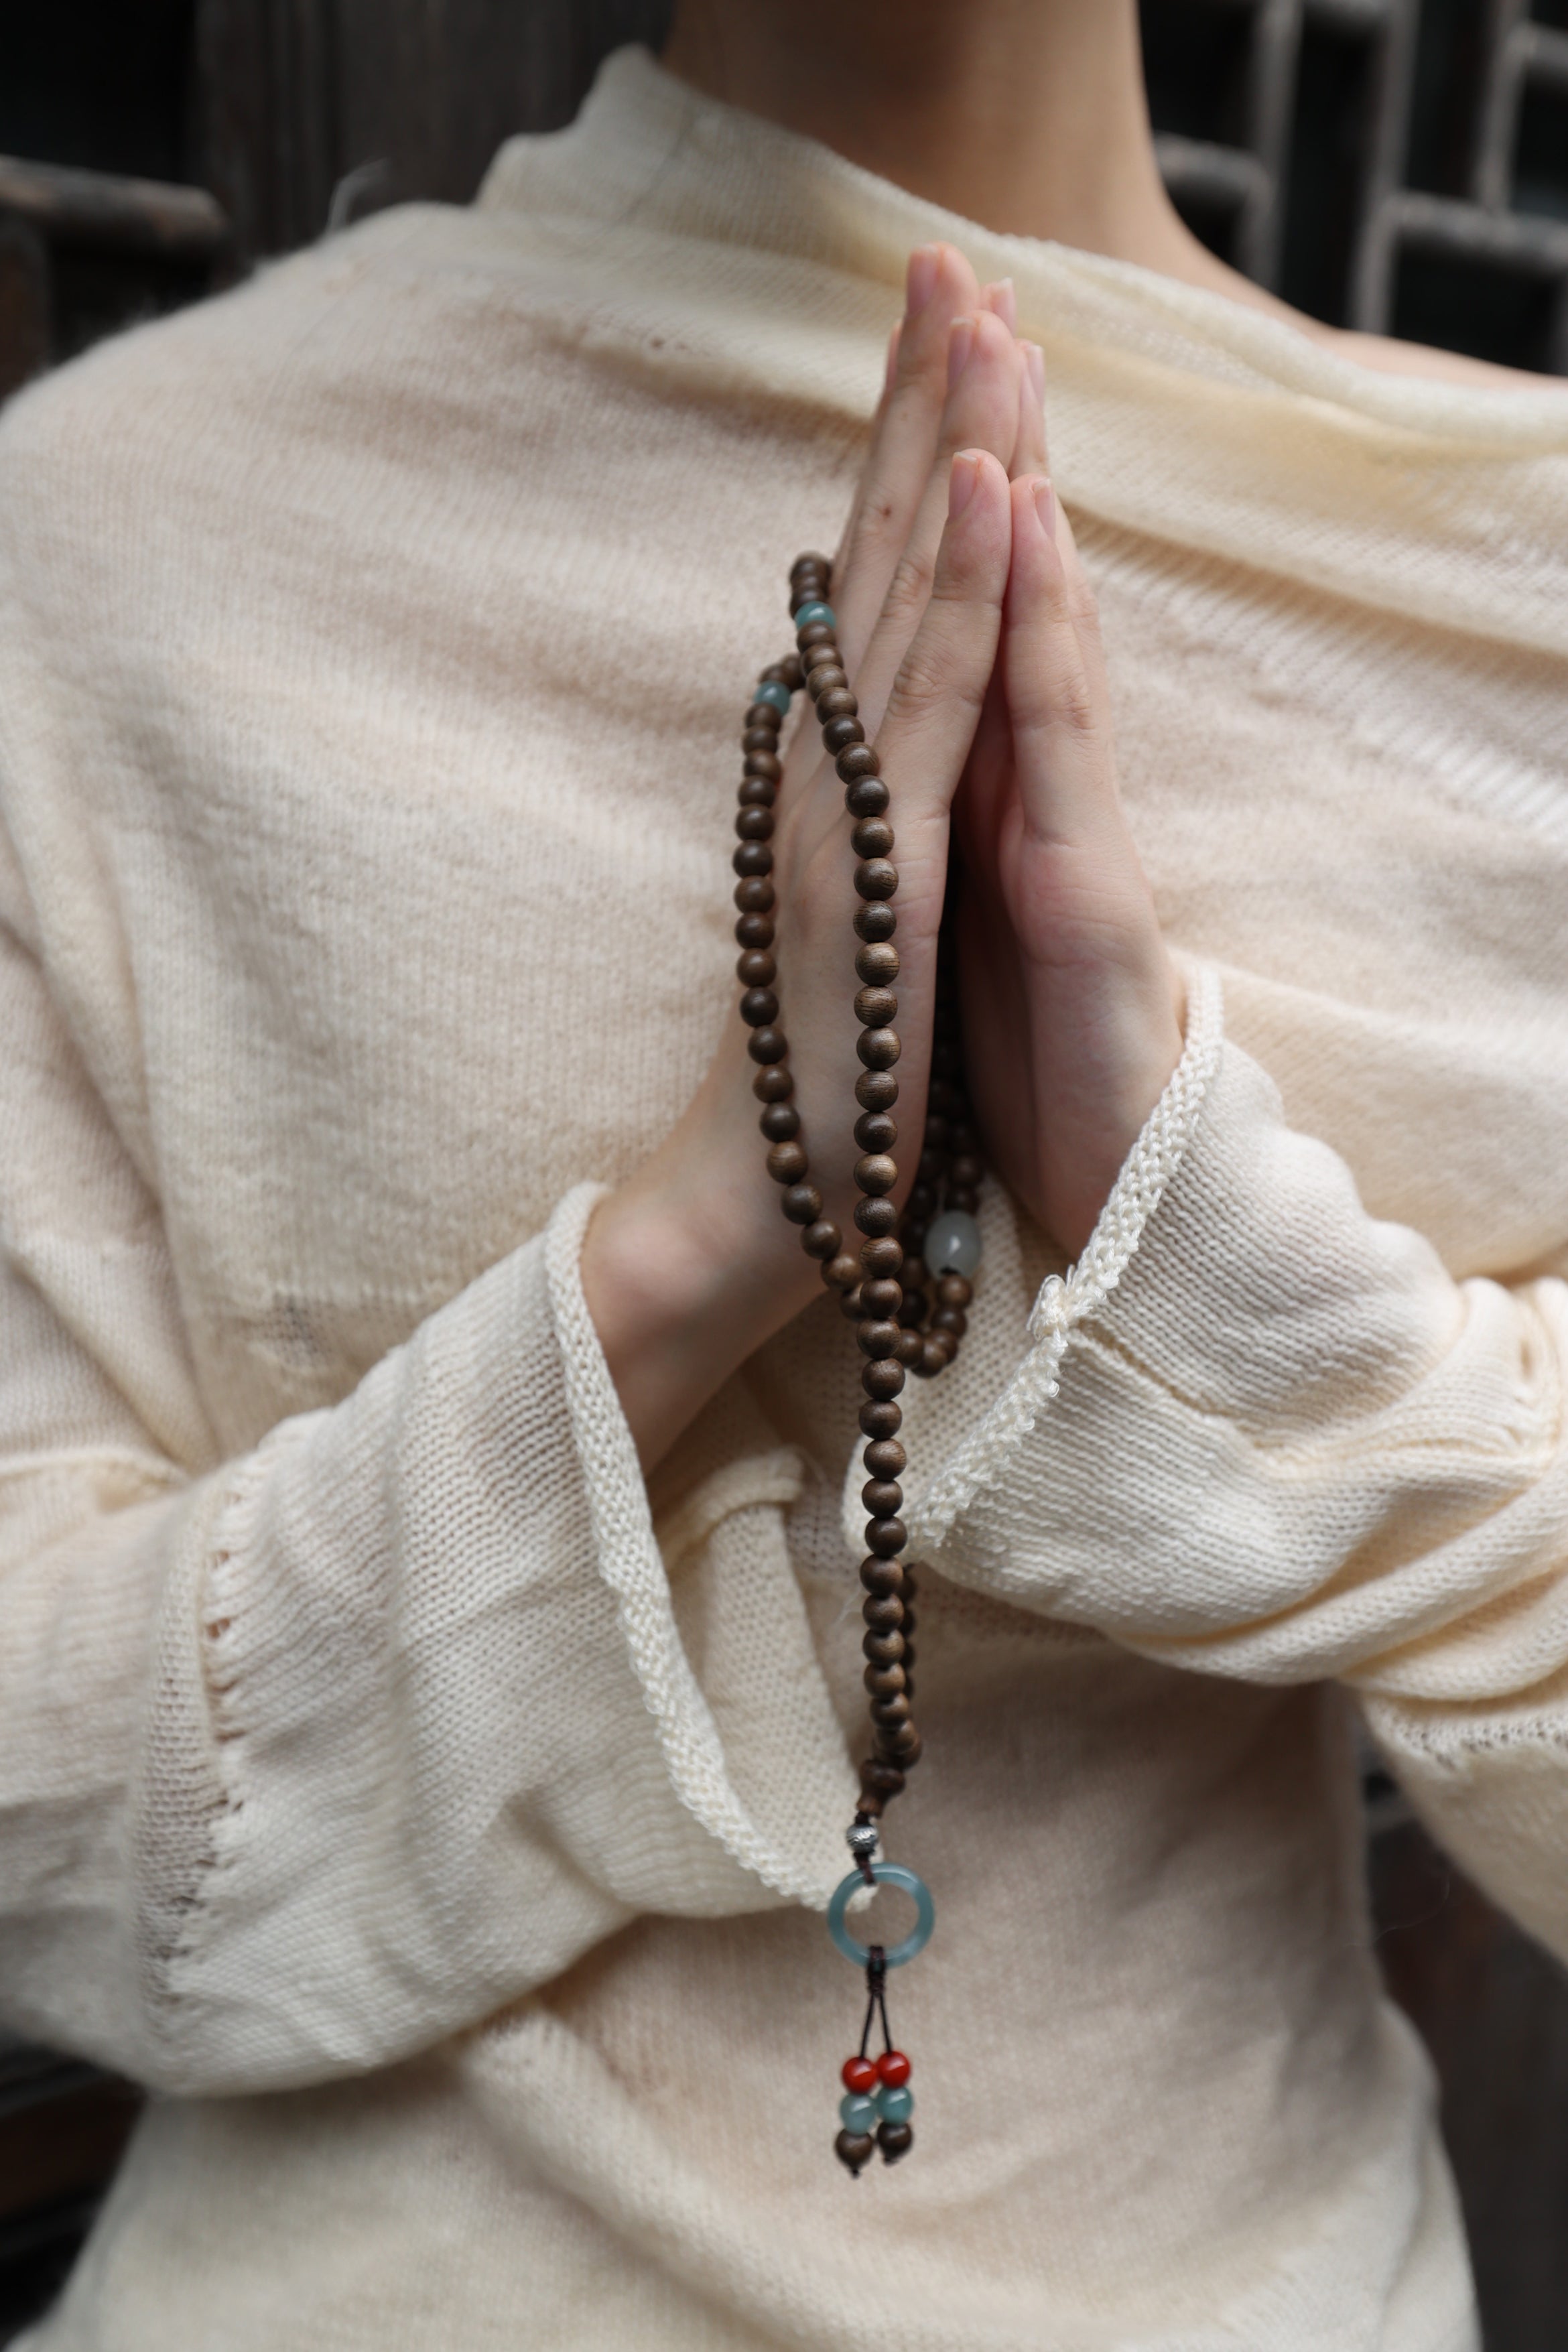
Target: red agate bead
[(893, 2068), (861, 2074)]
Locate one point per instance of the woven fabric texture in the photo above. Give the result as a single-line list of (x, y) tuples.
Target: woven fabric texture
[(435, 1815)]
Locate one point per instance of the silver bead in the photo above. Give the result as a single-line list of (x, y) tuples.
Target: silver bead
[(861, 1838), (952, 1244)]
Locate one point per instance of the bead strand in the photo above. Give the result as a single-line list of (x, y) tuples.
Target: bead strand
[(910, 1316)]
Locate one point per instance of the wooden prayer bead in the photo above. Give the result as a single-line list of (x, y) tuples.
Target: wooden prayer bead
[(875, 1218), (882, 1497), (875, 1131), (843, 1272), (885, 1458), (787, 1162), (884, 1682), (780, 1122), (878, 1048), (867, 796), (759, 1007), (759, 739), (967, 1169), (875, 920), (768, 1045), (801, 1204), (876, 877), (888, 1712), (951, 1320), (881, 1299), (876, 1172), (877, 1340), (881, 1577), (753, 857), (877, 963), (841, 734), (852, 1305), (762, 763), (876, 1007), (859, 760), (822, 1240), (883, 1649), (880, 1784), (883, 1612), (953, 1290), (755, 823), (816, 633), (907, 1347), (755, 969), (833, 701), (754, 896), (876, 1090), (756, 793), (872, 838), (881, 1258), (959, 1196), (775, 1085), (754, 932)]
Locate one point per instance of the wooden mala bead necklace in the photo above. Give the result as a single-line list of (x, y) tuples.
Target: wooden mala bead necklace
[(906, 1291)]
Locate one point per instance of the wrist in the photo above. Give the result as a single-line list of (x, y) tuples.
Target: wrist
[(688, 1268)]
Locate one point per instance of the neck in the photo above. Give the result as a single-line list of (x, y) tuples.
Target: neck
[(1028, 116)]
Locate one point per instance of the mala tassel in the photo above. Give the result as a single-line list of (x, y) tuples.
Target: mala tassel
[(877, 2104)]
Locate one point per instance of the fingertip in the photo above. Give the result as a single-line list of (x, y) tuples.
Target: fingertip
[(1034, 503), (962, 482), (919, 281), (1001, 300), (973, 471), (892, 367), (1034, 360)]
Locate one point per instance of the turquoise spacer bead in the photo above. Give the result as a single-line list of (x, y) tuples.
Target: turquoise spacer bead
[(770, 690), (857, 2114), (806, 614), (895, 2106)]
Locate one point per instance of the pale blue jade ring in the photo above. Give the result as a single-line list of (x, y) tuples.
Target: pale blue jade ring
[(886, 1873)]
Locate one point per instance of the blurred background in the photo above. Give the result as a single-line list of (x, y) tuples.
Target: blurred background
[(1399, 165)]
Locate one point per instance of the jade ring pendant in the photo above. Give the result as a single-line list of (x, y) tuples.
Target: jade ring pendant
[(886, 1873)]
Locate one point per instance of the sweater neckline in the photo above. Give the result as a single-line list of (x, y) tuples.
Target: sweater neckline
[(729, 257), (649, 148)]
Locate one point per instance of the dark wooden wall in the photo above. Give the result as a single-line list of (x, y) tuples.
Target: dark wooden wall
[(294, 95)]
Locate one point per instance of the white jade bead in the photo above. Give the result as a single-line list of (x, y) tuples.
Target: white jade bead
[(952, 1244)]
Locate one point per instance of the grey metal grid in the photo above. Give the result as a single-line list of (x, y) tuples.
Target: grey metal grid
[(1486, 226)]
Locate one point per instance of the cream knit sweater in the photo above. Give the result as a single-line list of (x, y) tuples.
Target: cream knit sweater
[(432, 1816)]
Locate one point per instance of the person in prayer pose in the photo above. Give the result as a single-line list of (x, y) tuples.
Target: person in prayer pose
[(431, 1673)]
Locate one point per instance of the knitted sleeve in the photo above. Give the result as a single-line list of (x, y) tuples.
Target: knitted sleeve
[(1259, 1433), (311, 1757)]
